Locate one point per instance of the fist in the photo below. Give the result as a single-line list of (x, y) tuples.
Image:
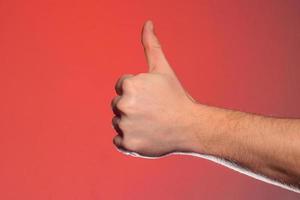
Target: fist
[(153, 112)]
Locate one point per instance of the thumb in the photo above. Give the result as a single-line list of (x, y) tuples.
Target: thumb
[(156, 59)]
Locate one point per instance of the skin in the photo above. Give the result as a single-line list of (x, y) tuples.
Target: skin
[(155, 116)]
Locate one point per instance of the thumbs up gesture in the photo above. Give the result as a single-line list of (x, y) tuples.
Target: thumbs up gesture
[(153, 112)]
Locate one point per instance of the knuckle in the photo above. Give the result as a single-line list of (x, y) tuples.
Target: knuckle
[(156, 46), (132, 145), (114, 101), (142, 75), (120, 82), (153, 45), (115, 120), (122, 106), (114, 105), (126, 105), (127, 84), (118, 141), (123, 125), (115, 124)]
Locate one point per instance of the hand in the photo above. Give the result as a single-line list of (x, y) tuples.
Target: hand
[(153, 111), (155, 116)]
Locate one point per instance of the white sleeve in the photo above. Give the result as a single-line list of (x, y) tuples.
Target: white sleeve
[(225, 163)]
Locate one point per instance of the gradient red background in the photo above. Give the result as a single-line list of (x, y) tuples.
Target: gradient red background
[(59, 61)]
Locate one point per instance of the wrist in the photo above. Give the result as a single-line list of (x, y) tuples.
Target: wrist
[(209, 130)]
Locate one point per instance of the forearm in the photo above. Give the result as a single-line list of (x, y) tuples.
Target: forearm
[(155, 116), (264, 145)]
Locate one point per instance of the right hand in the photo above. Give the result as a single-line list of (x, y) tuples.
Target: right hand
[(153, 111)]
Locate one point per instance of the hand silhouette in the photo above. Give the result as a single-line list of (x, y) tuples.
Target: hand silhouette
[(152, 109)]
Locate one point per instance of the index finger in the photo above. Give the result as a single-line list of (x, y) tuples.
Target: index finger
[(118, 86)]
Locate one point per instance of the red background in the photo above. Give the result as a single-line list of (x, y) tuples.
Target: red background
[(59, 61)]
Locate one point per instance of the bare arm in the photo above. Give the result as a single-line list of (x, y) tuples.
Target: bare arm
[(155, 116), (264, 145)]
